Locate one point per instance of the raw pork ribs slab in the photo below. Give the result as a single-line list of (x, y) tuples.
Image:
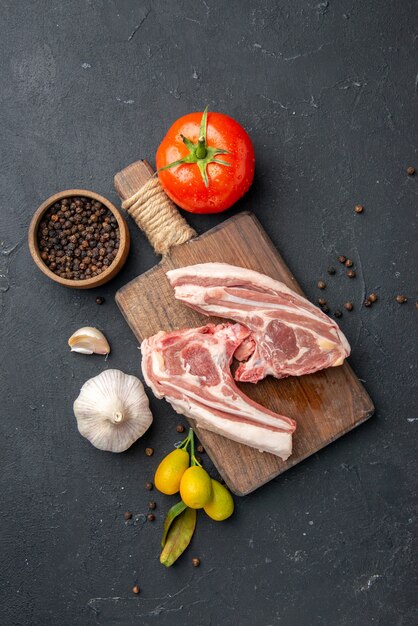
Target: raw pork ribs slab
[(289, 335), (191, 369), (278, 333)]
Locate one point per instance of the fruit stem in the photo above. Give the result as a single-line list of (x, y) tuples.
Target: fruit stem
[(191, 435), (185, 444), (201, 151), (193, 459)]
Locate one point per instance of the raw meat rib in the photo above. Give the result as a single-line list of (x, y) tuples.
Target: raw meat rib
[(289, 335), (191, 369)]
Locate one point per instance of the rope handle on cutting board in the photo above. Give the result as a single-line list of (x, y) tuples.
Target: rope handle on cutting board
[(157, 216)]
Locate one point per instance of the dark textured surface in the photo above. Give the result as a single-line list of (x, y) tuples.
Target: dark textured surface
[(328, 93)]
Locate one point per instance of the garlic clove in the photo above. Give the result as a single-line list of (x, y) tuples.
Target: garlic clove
[(112, 410), (89, 340)]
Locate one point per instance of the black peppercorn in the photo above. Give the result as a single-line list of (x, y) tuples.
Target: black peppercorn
[(180, 428), (99, 300), (195, 562), (342, 259), (150, 517), (367, 302), (410, 171), (149, 451), (127, 515), (338, 313), (325, 309), (348, 263), (331, 271), (348, 306), (322, 301), (200, 449), (135, 589), (372, 297), (149, 486), (73, 227), (320, 284), (351, 274), (401, 299), (359, 208), (152, 505)]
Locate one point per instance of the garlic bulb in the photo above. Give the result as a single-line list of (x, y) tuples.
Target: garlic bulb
[(112, 410), (87, 340)]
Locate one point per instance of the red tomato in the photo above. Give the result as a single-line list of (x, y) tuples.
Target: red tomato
[(205, 162)]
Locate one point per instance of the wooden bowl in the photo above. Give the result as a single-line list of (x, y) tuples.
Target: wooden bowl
[(88, 283)]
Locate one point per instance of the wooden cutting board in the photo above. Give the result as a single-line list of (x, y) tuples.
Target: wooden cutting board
[(325, 405)]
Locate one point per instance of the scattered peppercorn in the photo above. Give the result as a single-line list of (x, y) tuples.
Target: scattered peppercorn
[(149, 451), (180, 428), (348, 306), (321, 284), (342, 259), (348, 263), (195, 562), (150, 517), (416, 305), (338, 313), (152, 505), (401, 299), (325, 309), (372, 297), (359, 208), (135, 589), (351, 274), (331, 271), (127, 515), (200, 448), (410, 171), (72, 235), (367, 302), (149, 486), (100, 300), (322, 301)]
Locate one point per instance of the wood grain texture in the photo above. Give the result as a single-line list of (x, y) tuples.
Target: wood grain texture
[(325, 405), (131, 178)]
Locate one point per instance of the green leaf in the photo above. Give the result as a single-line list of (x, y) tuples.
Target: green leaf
[(179, 536), (220, 162), (189, 158), (173, 164), (202, 167), (220, 151), (175, 510), (187, 142)]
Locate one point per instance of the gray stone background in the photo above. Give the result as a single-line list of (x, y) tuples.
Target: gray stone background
[(328, 92)]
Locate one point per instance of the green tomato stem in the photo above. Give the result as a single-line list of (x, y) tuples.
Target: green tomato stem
[(201, 151)]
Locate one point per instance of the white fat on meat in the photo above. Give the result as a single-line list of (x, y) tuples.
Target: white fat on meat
[(289, 336), (191, 369)]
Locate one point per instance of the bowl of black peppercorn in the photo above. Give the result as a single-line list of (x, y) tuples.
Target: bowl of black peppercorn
[(78, 239)]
